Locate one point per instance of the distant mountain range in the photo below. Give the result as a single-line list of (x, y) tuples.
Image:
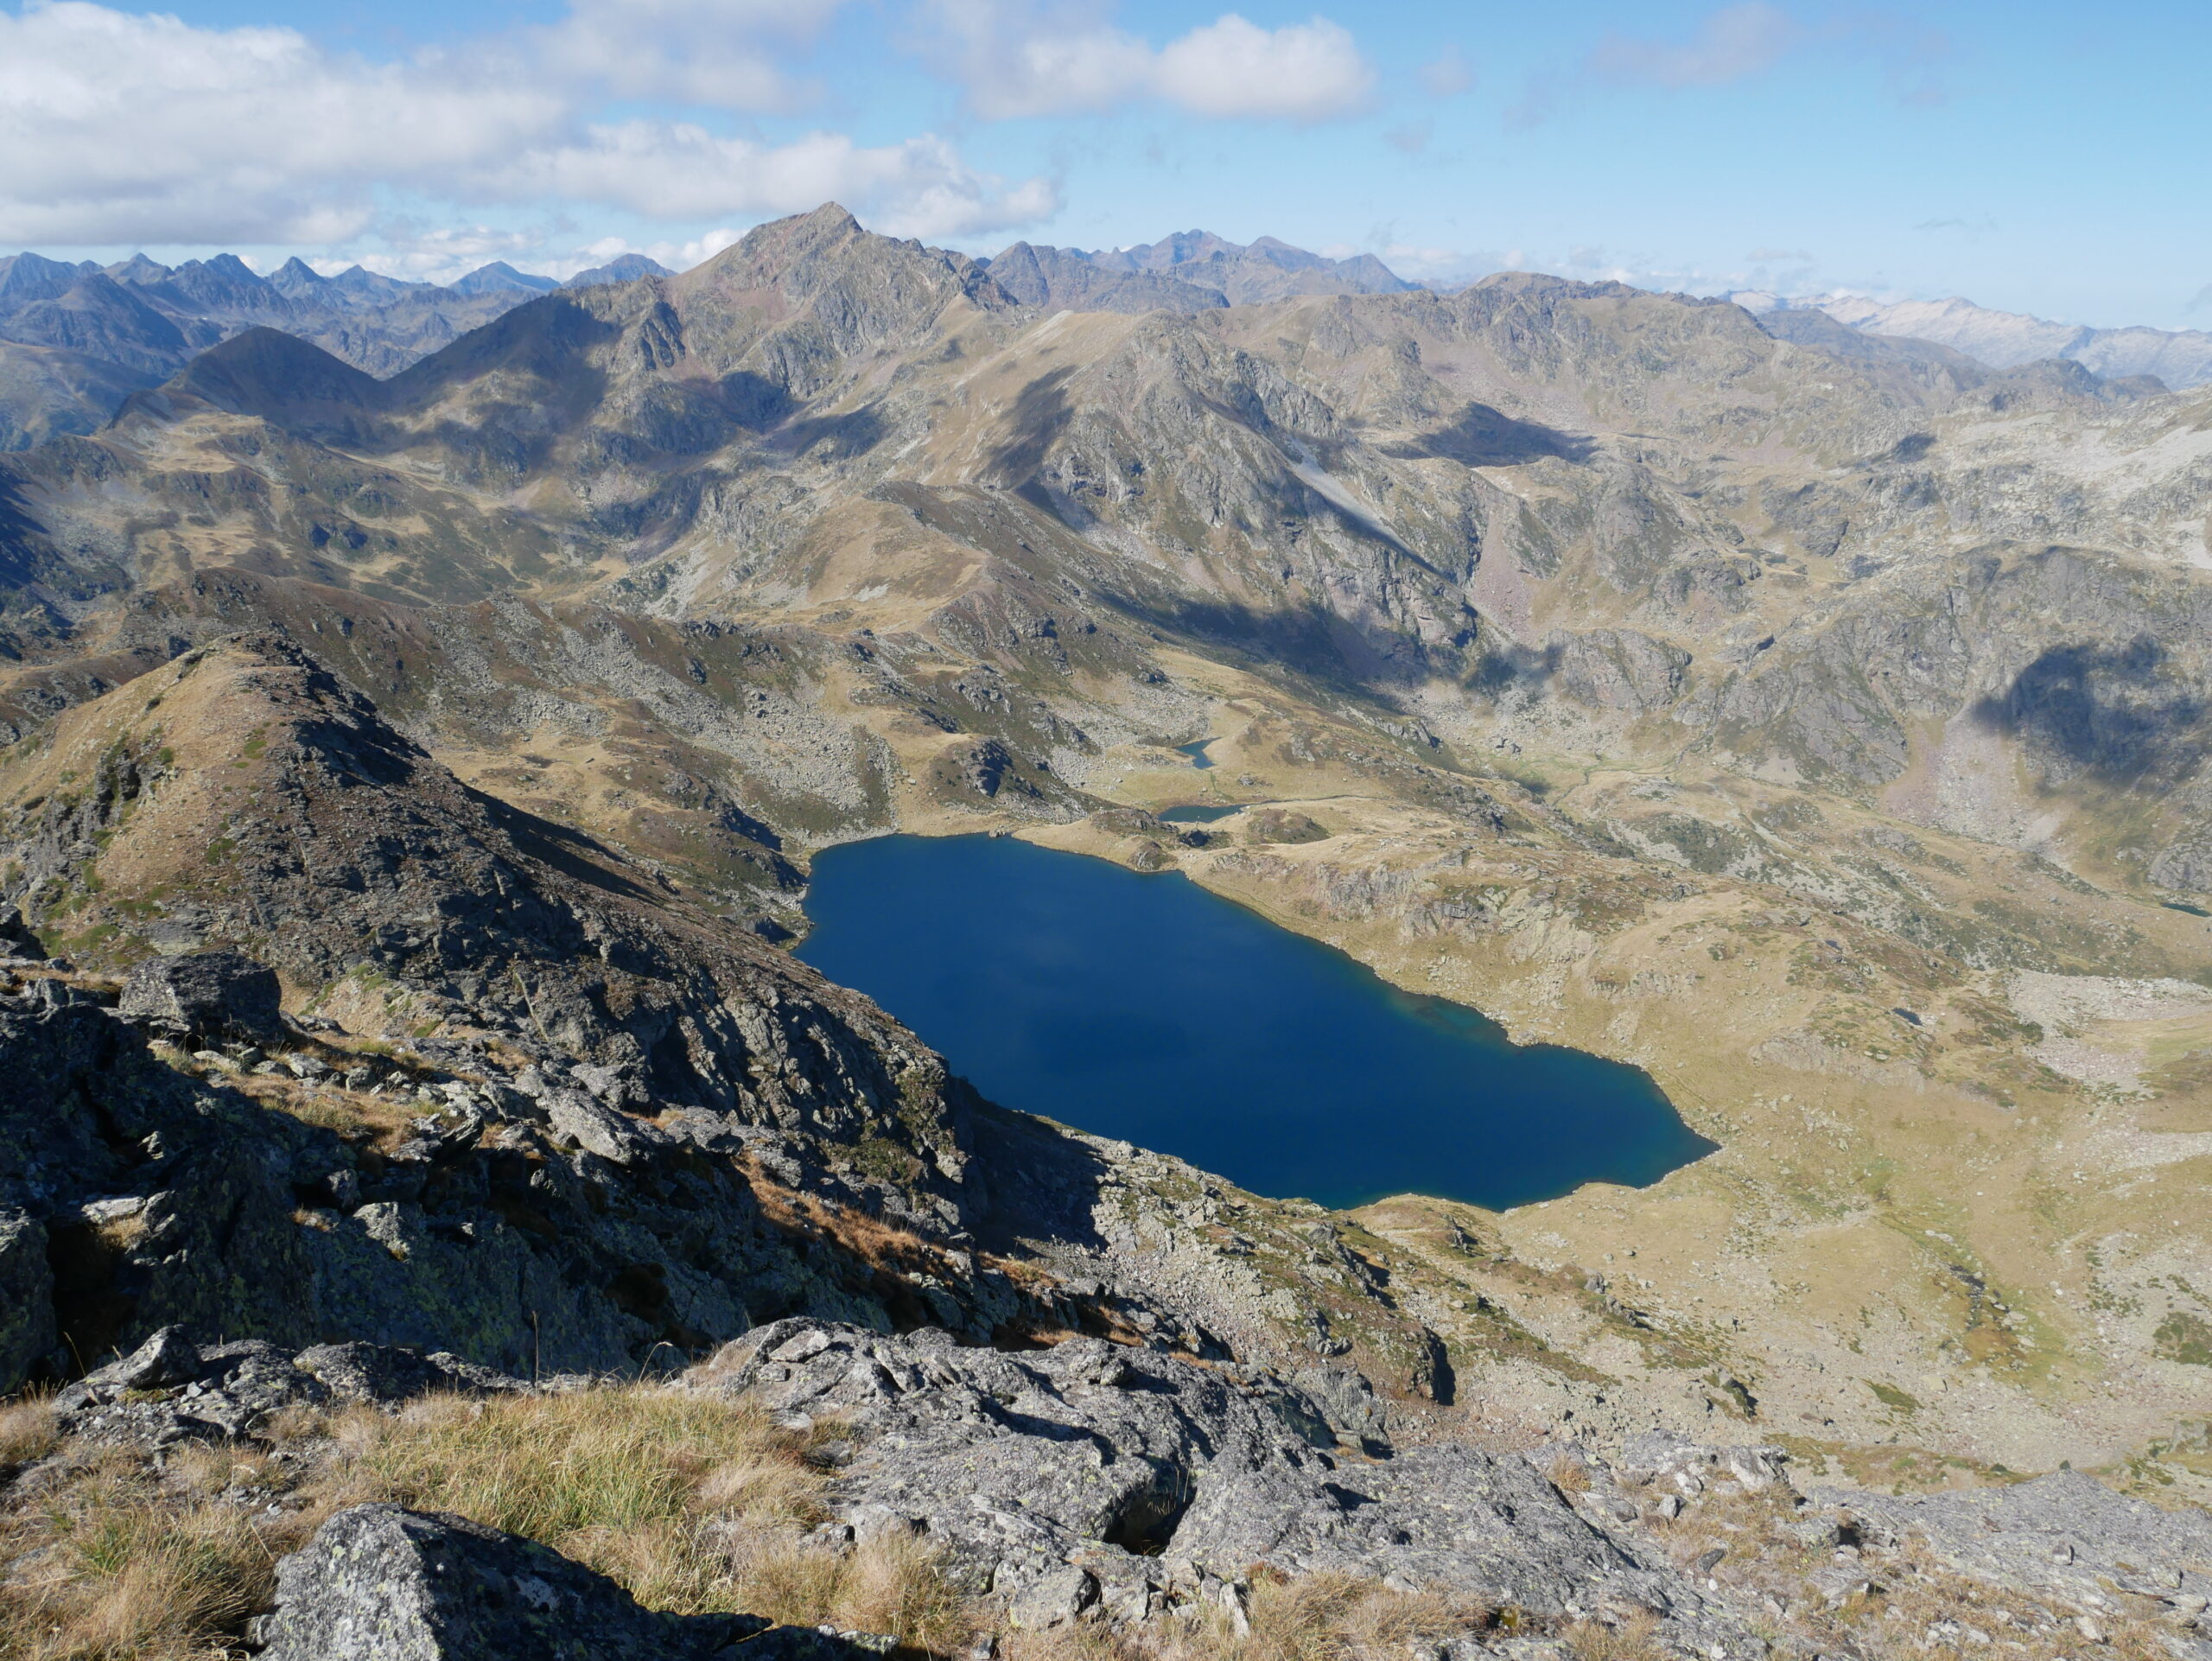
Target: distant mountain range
[(1191, 272), (2006, 340), (77, 339)]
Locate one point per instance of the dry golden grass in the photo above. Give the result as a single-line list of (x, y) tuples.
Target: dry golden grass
[(693, 1503), (27, 1431), (110, 1565), (1632, 1640), (1326, 1617), (1569, 1474)]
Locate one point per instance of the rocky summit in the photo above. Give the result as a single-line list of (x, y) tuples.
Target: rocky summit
[(440, 1218)]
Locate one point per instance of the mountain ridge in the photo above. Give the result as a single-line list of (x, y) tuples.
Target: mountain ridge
[(2179, 359)]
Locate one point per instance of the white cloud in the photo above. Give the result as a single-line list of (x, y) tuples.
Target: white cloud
[(125, 128), (119, 127), (722, 53), (1301, 72), (1016, 60), (437, 253), (679, 171), (1730, 44)]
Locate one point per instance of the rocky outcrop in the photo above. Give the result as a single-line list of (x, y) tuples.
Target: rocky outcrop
[(206, 994), (171, 1390), (2065, 1537), (530, 1233), (382, 1584), (1090, 1473)]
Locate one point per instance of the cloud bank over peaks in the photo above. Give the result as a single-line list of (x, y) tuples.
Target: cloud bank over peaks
[(1012, 60), (129, 128)]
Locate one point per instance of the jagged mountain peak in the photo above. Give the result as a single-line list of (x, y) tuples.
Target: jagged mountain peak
[(863, 285), (296, 278), (138, 269), (1198, 262), (26, 276), (499, 275)]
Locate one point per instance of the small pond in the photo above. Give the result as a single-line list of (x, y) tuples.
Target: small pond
[(1145, 1007), (1196, 813)]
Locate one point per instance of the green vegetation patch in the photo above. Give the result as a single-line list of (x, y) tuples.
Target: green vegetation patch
[(2184, 1337)]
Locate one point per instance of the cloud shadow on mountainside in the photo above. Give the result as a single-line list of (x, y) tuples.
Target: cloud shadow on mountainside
[(570, 852), (1040, 414), (1308, 640), (1042, 1180), (2122, 713), (1480, 436), (19, 531)]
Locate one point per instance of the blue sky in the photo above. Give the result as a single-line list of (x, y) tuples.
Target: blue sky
[(2037, 157)]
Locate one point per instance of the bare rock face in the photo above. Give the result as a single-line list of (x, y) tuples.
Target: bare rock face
[(171, 1390), (2065, 1536), (27, 1335), (204, 994), (135, 1197), (382, 1584), (1132, 1479)]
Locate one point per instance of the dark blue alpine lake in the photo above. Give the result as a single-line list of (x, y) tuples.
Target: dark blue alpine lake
[(1146, 1009)]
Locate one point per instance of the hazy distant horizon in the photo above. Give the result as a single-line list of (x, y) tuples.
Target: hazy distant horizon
[(2033, 159)]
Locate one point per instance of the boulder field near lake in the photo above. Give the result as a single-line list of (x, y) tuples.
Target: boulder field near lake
[(442, 1216)]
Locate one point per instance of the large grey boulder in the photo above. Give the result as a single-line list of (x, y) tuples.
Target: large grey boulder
[(204, 994), (382, 1584)]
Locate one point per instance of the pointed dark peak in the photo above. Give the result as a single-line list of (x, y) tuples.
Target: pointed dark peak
[(279, 377), (297, 280), (499, 278)]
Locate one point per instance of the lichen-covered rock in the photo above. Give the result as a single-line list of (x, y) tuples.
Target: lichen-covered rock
[(377, 1372), (2065, 1535), (204, 994), (382, 1584), (169, 1389), (1157, 1478)]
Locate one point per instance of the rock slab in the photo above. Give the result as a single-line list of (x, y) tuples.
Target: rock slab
[(384, 1583)]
